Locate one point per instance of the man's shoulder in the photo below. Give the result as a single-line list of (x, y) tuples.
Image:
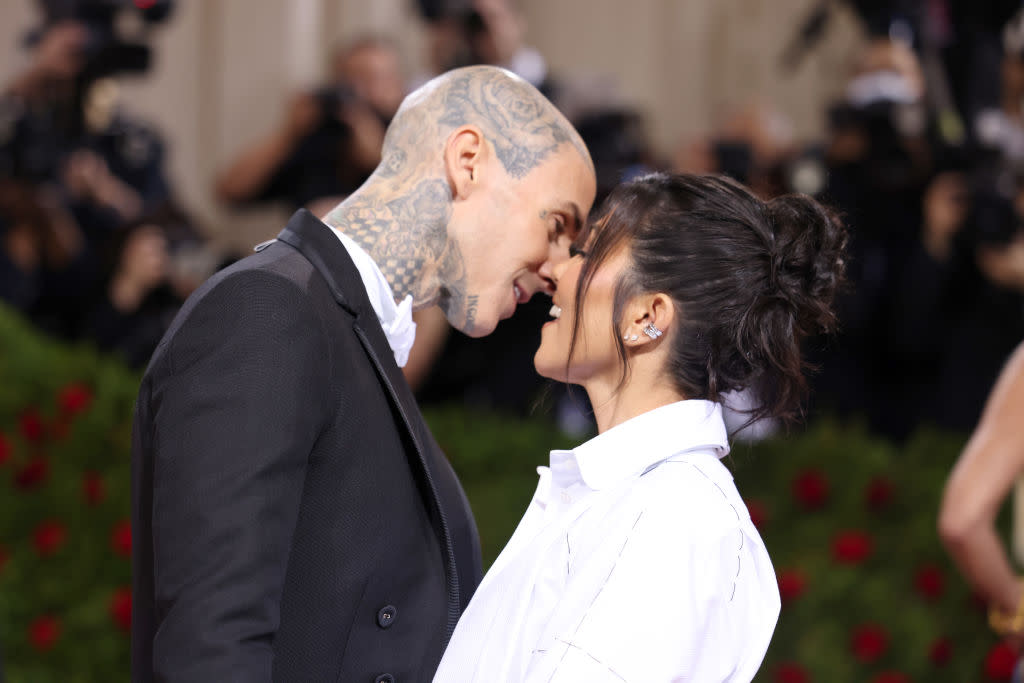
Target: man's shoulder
[(277, 279), (250, 277)]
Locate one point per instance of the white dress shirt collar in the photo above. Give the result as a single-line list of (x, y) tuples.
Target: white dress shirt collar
[(630, 448), (395, 319)]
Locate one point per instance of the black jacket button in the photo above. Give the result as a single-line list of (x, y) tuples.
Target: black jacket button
[(386, 616), (384, 678)]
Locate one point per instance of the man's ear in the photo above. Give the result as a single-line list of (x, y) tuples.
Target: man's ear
[(464, 154)]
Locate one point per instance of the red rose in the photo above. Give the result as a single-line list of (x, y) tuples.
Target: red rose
[(758, 514), (791, 584), (929, 582), (5, 449), (121, 608), (851, 547), (891, 677), (43, 633), (33, 474), (811, 489), (869, 642), (121, 539), (941, 651), (74, 399), (790, 672), (49, 537), (31, 425), (878, 493), (93, 488), (999, 662)]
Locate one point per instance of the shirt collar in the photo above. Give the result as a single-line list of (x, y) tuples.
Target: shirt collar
[(395, 319), (628, 449)]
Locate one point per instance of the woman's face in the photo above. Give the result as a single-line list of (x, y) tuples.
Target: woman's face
[(596, 355)]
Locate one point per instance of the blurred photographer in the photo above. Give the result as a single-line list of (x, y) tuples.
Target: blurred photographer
[(755, 144), (84, 167), (959, 310), (329, 140), (42, 266), (465, 32), (153, 265), (61, 120), (879, 157)]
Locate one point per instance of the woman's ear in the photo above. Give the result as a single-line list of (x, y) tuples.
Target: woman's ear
[(648, 317), (464, 154)]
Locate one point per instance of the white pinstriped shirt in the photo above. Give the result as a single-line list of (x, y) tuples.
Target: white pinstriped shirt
[(635, 561)]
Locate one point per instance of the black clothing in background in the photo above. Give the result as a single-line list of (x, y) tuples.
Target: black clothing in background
[(494, 372), (318, 167), (132, 336)]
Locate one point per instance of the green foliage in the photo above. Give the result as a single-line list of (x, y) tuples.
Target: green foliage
[(65, 428), (496, 459), (836, 479), (71, 409)]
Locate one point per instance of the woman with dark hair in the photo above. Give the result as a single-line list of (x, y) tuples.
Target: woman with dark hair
[(637, 559)]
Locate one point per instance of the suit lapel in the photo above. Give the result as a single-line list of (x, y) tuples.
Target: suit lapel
[(317, 243)]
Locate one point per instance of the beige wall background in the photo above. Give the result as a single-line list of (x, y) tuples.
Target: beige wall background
[(224, 69)]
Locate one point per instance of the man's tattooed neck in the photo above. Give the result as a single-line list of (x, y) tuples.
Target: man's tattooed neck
[(405, 235)]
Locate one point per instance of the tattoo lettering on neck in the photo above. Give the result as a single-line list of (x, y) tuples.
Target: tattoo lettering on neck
[(472, 304), (404, 235)]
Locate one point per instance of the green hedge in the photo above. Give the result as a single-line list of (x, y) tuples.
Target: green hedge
[(848, 519)]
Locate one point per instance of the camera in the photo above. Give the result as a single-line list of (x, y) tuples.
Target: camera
[(885, 127), (333, 98), (116, 31), (34, 140)]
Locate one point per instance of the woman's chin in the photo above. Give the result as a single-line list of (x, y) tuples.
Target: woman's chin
[(544, 366)]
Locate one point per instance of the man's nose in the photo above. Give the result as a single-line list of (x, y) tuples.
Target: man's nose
[(558, 256), (538, 282), (557, 269)]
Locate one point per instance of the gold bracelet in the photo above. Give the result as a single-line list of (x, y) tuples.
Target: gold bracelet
[(1004, 623)]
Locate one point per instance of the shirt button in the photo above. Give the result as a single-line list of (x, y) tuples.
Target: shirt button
[(384, 678), (566, 498), (386, 616)]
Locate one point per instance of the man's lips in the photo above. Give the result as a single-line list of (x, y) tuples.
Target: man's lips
[(521, 295)]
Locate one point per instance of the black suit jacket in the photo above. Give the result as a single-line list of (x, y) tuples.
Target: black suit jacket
[(292, 517)]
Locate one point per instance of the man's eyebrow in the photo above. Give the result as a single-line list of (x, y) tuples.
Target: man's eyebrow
[(577, 216)]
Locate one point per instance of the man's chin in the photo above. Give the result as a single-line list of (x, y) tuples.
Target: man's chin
[(467, 321), (479, 329), (476, 328)]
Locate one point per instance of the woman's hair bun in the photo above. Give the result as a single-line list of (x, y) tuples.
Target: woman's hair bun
[(807, 256)]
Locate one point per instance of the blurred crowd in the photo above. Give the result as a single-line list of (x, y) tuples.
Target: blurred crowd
[(924, 159), (93, 242)]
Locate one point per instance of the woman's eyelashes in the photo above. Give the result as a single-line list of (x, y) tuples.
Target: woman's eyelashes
[(576, 251)]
